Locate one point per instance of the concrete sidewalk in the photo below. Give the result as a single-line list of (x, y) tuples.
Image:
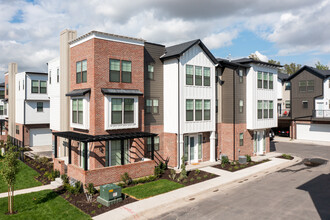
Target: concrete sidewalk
[(288, 140), (160, 204), (29, 190)]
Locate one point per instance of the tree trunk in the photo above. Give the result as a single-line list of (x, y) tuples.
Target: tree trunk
[(12, 197), (11, 205), (8, 198)]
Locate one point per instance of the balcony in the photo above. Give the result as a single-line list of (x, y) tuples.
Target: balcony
[(321, 114), (284, 113)]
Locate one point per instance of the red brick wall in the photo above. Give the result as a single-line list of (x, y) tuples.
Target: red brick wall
[(101, 176), (206, 146), (170, 148), (59, 165)]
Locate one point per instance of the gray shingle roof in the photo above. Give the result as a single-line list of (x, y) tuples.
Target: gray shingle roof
[(121, 92), (250, 60), (78, 92), (320, 73), (282, 76)]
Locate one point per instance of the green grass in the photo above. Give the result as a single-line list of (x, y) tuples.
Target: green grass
[(24, 179), (151, 189), (41, 205)]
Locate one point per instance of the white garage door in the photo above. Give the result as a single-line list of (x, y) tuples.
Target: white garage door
[(313, 132), (40, 137)]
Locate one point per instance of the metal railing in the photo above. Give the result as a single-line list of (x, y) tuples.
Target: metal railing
[(321, 113), (284, 113)]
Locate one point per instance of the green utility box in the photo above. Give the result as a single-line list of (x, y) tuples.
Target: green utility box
[(109, 194)]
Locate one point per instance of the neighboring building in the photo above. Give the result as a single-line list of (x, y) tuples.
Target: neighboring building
[(283, 102), (310, 104), (3, 113)]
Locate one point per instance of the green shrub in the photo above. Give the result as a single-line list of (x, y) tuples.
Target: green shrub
[(183, 173), (198, 178), (242, 166), (38, 167), (230, 168), (162, 166), (157, 172), (185, 181), (223, 165), (90, 188), (286, 156), (248, 158), (205, 176), (236, 167), (122, 185), (42, 169), (93, 212), (197, 172), (232, 163), (172, 175), (65, 179), (99, 206), (252, 163), (192, 179), (126, 179), (43, 160), (224, 160)]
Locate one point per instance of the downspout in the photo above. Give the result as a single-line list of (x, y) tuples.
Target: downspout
[(24, 110), (234, 112), (178, 145)]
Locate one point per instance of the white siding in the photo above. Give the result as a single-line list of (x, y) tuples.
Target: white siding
[(54, 94), (313, 132), (326, 96), (279, 89), (20, 96), (171, 96), (29, 94), (35, 117)]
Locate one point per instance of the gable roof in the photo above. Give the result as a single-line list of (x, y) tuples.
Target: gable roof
[(227, 63), (179, 49), (282, 76), (250, 60), (319, 73)]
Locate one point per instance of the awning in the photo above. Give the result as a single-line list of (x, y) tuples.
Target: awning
[(78, 92), (121, 92)]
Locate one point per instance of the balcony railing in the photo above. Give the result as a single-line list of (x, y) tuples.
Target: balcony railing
[(321, 113), (284, 113)]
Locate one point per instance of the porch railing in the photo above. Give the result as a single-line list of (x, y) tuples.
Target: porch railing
[(284, 113), (321, 114)]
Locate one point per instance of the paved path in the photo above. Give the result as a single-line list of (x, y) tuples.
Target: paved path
[(30, 190), (296, 192)]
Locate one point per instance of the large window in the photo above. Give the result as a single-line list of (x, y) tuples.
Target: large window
[(122, 110), (40, 106), (198, 110), (271, 84), (265, 81), (35, 86), (128, 111), (152, 106), (198, 75), (306, 86), (195, 109), (207, 109), (189, 110), (259, 80), (115, 157), (156, 143), (43, 87), (207, 74), (271, 109), (77, 111), (39, 86), (189, 75), (259, 109), (81, 71), (150, 72), (126, 71), (265, 109), (114, 70)]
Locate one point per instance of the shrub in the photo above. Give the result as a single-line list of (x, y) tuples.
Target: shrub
[(42, 169), (38, 167), (198, 178), (172, 176), (248, 158), (205, 176), (126, 179), (197, 172), (65, 179), (242, 166), (99, 206), (232, 163), (162, 166), (286, 156), (192, 179), (222, 165), (224, 160), (43, 160), (185, 181), (183, 173), (90, 191), (157, 172), (93, 212), (236, 167), (77, 187), (230, 168)]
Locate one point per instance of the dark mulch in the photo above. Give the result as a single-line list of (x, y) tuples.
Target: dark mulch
[(40, 168), (94, 208), (237, 166), (287, 158)]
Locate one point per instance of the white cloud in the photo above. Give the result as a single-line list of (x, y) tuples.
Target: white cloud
[(261, 57), (222, 39)]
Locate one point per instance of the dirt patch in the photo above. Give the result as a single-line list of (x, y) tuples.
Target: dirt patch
[(287, 157), (314, 162), (235, 166)]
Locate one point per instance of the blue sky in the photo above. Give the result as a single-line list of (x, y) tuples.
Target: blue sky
[(287, 31)]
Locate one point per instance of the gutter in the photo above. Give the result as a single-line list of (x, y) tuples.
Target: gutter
[(24, 118), (234, 111)]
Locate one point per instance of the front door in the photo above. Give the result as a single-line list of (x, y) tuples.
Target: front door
[(195, 147), (259, 142), (319, 109)]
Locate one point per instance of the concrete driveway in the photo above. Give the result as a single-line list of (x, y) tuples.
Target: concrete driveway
[(297, 192)]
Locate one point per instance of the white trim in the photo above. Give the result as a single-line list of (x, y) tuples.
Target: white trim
[(85, 124)]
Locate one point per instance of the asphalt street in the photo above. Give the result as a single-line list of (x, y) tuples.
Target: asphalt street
[(297, 192)]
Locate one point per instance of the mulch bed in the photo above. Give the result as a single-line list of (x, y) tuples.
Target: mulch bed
[(237, 166), (40, 168), (193, 177), (291, 158), (93, 208)]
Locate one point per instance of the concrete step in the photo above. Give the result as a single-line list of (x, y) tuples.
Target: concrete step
[(58, 182)]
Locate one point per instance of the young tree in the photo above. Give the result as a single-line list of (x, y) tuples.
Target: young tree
[(320, 66), (254, 56), (274, 62), (8, 172), (291, 68)]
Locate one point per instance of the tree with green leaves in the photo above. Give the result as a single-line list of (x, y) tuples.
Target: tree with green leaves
[(8, 172), (254, 56), (291, 68), (274, 62), (320, 66)]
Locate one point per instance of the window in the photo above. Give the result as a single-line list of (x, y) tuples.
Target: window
[(207, 109), (126, 71), (271, 111), (198, 110), (40, 106), (189, 75), (17, 129), (58, 75), (152, 106), (241, 139), (287, 104), (302, 86), (265, 109), (265, 80), (156, 143), (310, 86), (207, 74), (1, 110), (198, 75), (148, 106), (115, 152), (122, 110), (240, 74), (81, 72), (43, 87), (50, 77), (116, 114), (287, 86), (128, 111), (35, 86), (259, 80), (270, 81), (2, 94), (114, 70), (305, 104), (189, 110), (241, 105), (77, 111), (7, 89), (150, 72), (259, 109)]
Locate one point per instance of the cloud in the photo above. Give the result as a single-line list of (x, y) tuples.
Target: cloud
[(222, 39)]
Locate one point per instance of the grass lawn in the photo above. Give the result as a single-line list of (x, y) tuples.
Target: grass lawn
[(151, 189), (24, 179), (41, 205)]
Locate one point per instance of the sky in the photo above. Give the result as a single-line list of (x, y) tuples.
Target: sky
[(283, 30)]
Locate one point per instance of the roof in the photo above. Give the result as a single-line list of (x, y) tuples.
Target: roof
[(179, 49), (320, 73), (226, 63), (283, 76), (121, 92), (250, 60), (95, 138), (39, 73), (78, 92)]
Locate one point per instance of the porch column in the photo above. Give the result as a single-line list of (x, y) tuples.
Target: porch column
[(152, 148), (1, 127), (180, 150), (122, 152), (85, 156), (70, 153), (55, 146), (107, 153), (212, 146)]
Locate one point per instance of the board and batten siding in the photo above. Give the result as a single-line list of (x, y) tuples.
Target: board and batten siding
[(254, 94), (33, 116), (54, 94)]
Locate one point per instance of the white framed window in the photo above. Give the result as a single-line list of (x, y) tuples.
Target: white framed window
[(79, 112), (156, 143)]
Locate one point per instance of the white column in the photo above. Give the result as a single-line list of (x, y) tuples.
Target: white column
[(212, 146), (181, 150)]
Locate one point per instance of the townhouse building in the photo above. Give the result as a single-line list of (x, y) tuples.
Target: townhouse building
[(310, 100), (283, 102), (3, 113)]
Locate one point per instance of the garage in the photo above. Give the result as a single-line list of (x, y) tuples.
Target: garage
[(313, 132), (40, 137)]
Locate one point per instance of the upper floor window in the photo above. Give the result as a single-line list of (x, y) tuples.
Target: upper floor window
[(198, 75), (58, 75), (270, 109), (240, 74), (1, 110), (287, 86), (306, 86), (241, 105), (2, 94), (259, 109), (39, 86), (189, 75), (152, 106), (259, 80), (77, 111), (189, 110), (150, 72), (125, 68), (197, 107), (122, 110), (81, 71), (114, 70), (207, 109), (35, 86), (198, 110), (40, 106), (265, 109), (271, 84), (207, 73), (43, 87), (126, 71), (5, 109), (265, 81), (287, 104), (50, 77)]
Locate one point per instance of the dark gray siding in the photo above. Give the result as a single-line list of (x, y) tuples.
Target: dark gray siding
[(153, 88), (227, 99), (298, 97)]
